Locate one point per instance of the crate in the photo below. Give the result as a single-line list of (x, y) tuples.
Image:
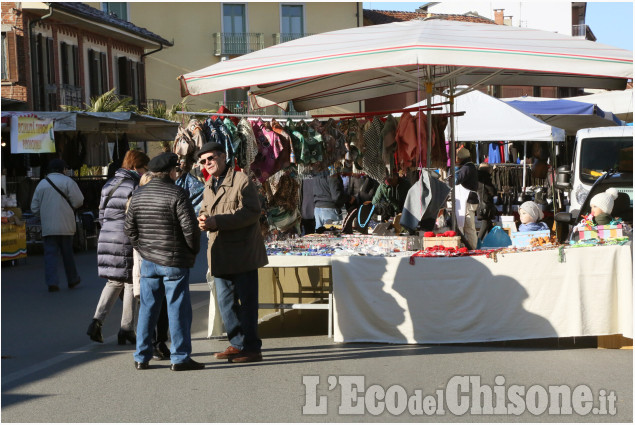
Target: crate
[(447, 241), (523, 239)]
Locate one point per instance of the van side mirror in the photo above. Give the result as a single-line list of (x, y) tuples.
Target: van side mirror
[(563, 177), (564, 217)]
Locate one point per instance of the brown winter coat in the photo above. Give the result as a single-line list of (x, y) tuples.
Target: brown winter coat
[(237, 246)]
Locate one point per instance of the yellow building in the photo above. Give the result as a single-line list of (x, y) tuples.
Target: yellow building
[(204, 33)]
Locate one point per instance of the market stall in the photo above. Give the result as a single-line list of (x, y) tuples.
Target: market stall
[(477, 299), (87, 141)]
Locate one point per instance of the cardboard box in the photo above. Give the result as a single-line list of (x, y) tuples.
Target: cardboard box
[(602, 232), (523, 239), (451, 241)]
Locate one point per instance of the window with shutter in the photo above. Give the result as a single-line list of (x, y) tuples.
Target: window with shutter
[(141, 74), (104, 73), (65, 63)]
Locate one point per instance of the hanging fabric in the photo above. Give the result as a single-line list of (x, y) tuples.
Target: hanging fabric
[(373, 163), (248, 143)]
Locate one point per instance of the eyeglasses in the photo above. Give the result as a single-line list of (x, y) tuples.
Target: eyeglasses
[(210, 158)]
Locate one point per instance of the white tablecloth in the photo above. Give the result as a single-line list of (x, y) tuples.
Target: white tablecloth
[(474, 299)]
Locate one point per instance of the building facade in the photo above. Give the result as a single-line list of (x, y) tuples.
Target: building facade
[(205, 33), (56, 54)]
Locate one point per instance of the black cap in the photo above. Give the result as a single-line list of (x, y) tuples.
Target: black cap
[(57, 165), (163, 162), (210, 147)]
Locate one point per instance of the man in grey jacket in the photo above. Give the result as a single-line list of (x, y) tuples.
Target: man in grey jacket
[(54, 200)]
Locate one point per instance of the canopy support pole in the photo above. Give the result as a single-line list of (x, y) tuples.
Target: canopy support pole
[(525, 169), (429, 122), (452, 161)]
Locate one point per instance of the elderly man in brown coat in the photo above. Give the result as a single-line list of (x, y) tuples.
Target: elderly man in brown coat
[(230, 212)]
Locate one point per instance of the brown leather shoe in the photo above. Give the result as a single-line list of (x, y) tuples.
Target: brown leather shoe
[(246, 357), (229, 352)]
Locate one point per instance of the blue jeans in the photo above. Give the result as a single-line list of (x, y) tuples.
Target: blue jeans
[(237, 296), (322, 215), (63, 244), (174, 283)]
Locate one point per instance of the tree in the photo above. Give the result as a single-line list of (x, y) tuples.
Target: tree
[(107, 102)]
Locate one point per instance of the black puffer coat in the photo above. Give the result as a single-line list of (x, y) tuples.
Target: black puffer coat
[(161, 224), (114, 251)]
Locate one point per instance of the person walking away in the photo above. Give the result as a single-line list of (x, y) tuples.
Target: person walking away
[(161, 225), (55, 200), (466, 197), (230, 212), (114, 251)]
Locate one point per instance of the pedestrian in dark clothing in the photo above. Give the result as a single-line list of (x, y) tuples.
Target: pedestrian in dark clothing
[(161, 225)]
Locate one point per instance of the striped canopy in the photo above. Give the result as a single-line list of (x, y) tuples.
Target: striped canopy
[(354, 64)]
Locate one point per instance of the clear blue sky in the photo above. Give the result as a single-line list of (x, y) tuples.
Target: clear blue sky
[(611, 22)]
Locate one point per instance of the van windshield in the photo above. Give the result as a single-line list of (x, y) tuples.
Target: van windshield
[(600, 154)]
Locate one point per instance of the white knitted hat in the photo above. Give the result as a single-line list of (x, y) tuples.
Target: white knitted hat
[(605, 200), (532, 208)]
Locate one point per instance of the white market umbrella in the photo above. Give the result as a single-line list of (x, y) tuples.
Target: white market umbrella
[(339, 67), (354, 64), (619, 102)]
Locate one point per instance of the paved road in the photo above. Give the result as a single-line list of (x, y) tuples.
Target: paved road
[(52, 372)]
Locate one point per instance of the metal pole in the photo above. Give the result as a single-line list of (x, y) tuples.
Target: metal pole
[(525, 169), (452, 159), (429, 119)]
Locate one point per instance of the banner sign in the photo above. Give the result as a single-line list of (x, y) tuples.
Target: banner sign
[(30, 134)]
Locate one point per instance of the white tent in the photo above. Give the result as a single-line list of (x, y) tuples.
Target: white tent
[(489, 119), (619, 102)]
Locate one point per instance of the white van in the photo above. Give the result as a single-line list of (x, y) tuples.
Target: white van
[(598, 150)]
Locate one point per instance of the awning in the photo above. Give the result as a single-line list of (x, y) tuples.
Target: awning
[(137, 127), (566, 114)]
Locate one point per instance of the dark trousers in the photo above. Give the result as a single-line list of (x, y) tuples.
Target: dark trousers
[(238, 304)]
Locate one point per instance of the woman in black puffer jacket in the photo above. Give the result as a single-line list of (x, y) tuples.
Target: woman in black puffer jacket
[(114, 251)]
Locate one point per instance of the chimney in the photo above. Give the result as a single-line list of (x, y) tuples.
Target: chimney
[(499, 18)]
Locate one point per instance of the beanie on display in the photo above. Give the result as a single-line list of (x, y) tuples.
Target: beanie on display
[(532, 208), (605, 200)]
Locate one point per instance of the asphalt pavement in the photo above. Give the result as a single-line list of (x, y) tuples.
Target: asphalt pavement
[(51, 371)]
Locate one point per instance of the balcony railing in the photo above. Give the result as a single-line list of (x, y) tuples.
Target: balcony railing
[(226, 44), (284, 37), (70, 95), (582, 31), (242, 107)]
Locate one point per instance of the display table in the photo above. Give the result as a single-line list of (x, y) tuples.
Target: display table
[(323, 291), (475, 299)]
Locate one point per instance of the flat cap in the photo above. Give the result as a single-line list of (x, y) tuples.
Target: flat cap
[(163, 162), (210, 147)]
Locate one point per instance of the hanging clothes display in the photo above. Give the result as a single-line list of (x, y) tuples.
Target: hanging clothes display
[(249, 145), (388, 134), (373, 163), (264, 164)]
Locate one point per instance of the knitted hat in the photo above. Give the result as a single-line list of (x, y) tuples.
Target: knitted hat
[(163, 162), (532, 208), (605, 200)]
